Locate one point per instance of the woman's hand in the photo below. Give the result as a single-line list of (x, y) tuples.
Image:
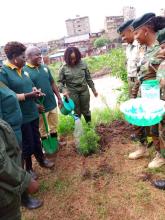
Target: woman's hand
[(95, 94), (41, 108), (66, 94)]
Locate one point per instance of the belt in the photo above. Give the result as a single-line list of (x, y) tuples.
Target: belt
[(132, 79)]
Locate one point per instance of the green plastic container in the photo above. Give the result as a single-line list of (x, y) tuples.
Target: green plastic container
[(143, 112), (150, 89), (68, 106)]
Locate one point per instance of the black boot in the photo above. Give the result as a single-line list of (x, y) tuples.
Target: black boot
[(28, 163), (46, 163), (87, 118), (160, 184), (29, 202)]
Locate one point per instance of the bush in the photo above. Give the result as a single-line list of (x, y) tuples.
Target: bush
[(101, 42), (89, 141), (65, 125), (54, 68)]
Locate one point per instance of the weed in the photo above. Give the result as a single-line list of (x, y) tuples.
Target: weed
[(44, 186), (61, 185)]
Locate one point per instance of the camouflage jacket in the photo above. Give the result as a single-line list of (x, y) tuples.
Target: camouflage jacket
[(161, 75), (13, 179), (147, 67), (75, 78)]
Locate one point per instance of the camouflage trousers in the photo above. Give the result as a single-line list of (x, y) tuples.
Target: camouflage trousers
[(131, 83), (11, 212), (150, 131), (162, 133), (82, 102)]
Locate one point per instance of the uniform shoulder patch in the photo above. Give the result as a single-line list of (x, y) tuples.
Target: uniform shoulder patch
[(46, 69), (26, 74)]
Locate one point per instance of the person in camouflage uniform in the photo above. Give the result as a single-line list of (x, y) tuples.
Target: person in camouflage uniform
[(145, 29), (14, 180), (74, 79), (132, 52), (161, 77)]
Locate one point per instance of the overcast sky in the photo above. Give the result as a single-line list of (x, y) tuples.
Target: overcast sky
[(43, 20)]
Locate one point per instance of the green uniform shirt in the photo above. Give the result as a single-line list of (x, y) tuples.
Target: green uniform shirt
[(76, 78), (42, 79), (10, 110), (13, 179), (20, 84)]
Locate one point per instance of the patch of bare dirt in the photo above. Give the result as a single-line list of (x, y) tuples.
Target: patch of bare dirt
[(105, 186)]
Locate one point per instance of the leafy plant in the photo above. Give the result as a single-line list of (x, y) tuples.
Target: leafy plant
[(89, 140), (124, 95), (65, 125)]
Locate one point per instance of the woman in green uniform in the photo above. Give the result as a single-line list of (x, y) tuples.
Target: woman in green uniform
[(145, 29), (74, 81), (17, 80)]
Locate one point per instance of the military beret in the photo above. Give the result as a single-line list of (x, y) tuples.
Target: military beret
[(124, 26), (161, 36), (144, 19)]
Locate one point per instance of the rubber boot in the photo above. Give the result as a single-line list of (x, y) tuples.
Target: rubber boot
[(29, 202), (87, 118)]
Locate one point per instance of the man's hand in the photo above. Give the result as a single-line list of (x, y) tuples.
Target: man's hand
[(41, 108), (33, 186), (60, 103)]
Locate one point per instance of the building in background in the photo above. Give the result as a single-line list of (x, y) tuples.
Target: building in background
[(129, 12), (162, 12), (78, 26), (111, 24)]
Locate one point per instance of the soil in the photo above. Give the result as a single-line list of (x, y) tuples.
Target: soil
[(104, 186)]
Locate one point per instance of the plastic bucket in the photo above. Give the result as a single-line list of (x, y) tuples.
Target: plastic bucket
[(68, 106), (143, 112), (150, 89)]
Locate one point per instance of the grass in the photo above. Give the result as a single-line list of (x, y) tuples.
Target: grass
[(114, 61), (143, 194), (61, 185), (44, 186), (106, 116)]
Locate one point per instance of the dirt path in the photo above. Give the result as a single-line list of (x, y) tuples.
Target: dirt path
[(106, 186)]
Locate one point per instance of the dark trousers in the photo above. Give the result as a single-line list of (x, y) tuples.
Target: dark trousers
[(31, 143)]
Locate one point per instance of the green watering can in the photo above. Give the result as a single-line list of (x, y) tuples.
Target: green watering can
[(68, 106), (50, 144)]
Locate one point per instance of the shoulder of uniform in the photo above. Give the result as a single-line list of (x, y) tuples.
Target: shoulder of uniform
[(83, 63)]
